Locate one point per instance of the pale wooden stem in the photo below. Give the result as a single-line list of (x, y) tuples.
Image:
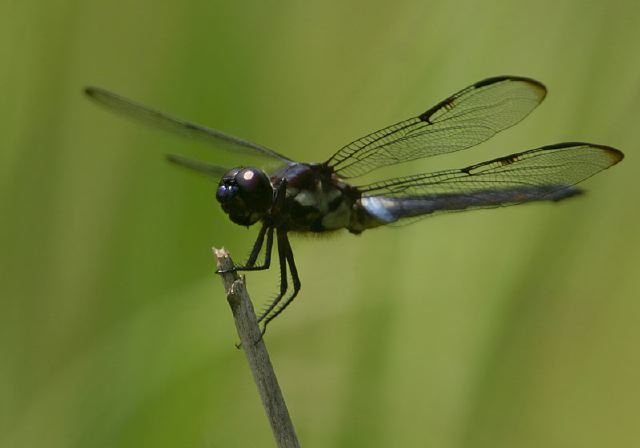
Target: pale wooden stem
[(256, 352)]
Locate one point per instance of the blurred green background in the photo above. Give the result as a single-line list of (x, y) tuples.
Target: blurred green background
[(500, 328)]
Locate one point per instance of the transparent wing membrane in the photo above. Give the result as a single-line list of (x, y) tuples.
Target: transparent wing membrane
[(465, 119), (207, 169), (177, 125), (546, 173)]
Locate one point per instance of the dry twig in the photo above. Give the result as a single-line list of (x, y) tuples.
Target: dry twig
[(256, 352)]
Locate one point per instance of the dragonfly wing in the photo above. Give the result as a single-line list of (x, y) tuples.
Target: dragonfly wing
[(177, 125), (207, 169), (461, 121), (546, 173)]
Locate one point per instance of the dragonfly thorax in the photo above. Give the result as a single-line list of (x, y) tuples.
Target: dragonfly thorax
[(245, 194)]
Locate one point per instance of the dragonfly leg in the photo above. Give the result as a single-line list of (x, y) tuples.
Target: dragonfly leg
[(267, 227), (296, 286), (250, 265), (283, 245)]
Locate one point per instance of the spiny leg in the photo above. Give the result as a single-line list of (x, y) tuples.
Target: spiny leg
[(283, 243), (257, 247), (250, 265), (279, 196), (296, 285)]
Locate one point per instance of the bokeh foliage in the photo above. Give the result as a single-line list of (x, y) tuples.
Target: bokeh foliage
[(502, 328)]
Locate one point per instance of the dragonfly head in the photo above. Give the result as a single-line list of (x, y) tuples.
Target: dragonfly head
[(245, 194)]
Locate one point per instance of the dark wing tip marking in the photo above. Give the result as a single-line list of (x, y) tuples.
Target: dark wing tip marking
[(448, 102), (462, 120), (548, 173), (96, 93), (615, 154), (495, 79)]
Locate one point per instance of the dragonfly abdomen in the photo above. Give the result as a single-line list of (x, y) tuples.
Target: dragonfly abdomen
[(382, 210)]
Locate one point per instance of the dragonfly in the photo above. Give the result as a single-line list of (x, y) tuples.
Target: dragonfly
[(321, 197)]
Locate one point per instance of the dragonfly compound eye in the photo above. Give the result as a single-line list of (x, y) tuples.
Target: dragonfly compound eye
[(245, 195)]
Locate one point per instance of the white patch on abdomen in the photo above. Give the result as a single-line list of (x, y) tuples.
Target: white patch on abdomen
[(378, 207)]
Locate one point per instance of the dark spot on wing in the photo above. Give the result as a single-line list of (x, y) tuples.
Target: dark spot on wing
[(508, 160), (444, 104)]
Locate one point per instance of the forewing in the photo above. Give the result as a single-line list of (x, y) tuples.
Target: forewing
[(207, 169), (546, 173), (177, 125), (465, 119)]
